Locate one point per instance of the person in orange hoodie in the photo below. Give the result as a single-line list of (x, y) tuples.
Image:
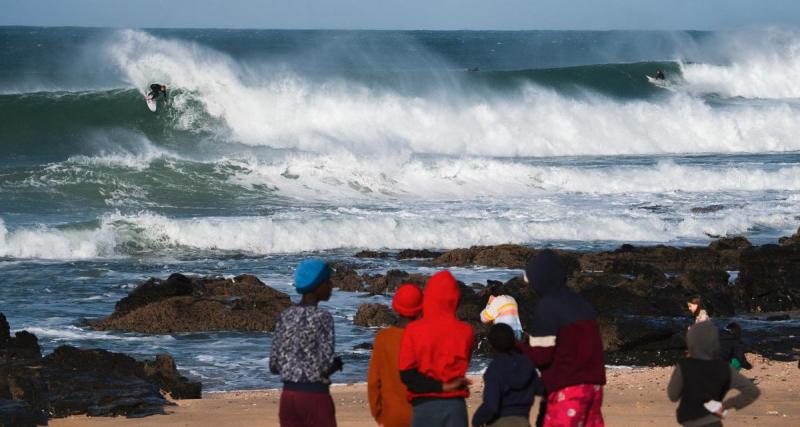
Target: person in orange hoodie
[(434, 357), (388, 399)]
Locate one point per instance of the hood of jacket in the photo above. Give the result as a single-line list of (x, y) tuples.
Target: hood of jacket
[(703, 341), (546, 274), (441, 295)]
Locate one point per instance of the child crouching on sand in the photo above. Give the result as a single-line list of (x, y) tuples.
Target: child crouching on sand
[(701, 381), (388, 400), (503, 309), (303, 351), (732, 348), (510, 383), (434, 357)]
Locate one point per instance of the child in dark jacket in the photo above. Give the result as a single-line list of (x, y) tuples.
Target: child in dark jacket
[(510, 383), (731, 348), (434, 357), (303, 351), (702, 380)]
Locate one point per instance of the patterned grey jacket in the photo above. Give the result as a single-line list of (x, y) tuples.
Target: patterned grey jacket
[(303, 345)]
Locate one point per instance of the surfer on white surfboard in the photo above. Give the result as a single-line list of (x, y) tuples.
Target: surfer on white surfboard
[(156, 90), (660, 75)]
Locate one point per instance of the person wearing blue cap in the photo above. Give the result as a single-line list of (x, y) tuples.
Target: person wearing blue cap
[(303, 351)]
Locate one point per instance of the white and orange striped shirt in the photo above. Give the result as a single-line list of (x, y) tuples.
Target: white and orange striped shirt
[(502, 309)]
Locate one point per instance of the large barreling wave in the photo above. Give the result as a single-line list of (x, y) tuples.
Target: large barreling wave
[(393, 140)]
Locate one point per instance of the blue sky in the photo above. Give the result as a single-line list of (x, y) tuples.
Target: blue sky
[(406, 14)]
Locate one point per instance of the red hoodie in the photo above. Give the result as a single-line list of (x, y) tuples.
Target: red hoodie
[(438, 345)]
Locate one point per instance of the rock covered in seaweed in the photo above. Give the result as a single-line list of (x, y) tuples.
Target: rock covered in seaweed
[(189, 304), (372, 315), (73, 381)]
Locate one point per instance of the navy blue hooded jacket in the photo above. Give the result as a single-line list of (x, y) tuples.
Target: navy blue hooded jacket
[(565, 341), (509, 386)]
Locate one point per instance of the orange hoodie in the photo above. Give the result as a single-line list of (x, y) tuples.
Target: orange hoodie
[(438, 345), (387, 393)]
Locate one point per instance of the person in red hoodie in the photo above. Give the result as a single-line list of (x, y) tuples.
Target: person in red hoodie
[(434, 357), (565, 345)]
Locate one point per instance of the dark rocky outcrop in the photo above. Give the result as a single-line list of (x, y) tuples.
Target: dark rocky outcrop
[(507, 256), (418, 254), (345, 278), (722, 254), (19, 414), (23, 394), (640, 292), (657, 278), (374, 315), (794, 239), (667, 259), (164, 370), (184, 304), (769, 278), (72, 381), (363, 346), (372, 254), (99, 382), (388, 283)]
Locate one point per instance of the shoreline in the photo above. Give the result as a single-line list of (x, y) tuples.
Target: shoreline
[(633, 396)]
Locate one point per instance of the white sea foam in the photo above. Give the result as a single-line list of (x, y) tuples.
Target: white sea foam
[(428, 229), (50, 243), (761, 65), (137, 152), (285, 111), (329, 177), (71, 333)]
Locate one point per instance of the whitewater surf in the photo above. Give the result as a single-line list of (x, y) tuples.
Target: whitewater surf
[(277, 144)]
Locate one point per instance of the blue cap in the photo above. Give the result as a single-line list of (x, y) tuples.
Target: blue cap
[(310, 273)]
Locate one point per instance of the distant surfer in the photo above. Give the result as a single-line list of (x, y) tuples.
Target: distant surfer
[(156, 89), (660, 75)]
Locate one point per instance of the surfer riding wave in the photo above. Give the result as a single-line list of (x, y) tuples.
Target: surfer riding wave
[(156, 89)]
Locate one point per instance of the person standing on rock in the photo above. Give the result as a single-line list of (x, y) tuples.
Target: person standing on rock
[(303, 351), (565, 345), (388, 396), (697, 308), (434, 357), (702, 380), (503, 309)]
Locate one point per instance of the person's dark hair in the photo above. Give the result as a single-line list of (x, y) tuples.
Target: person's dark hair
[(697, 300), (501, 338), (735, 329)]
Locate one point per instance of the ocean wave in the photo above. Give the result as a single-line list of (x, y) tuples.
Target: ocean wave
[(154, 179), (331, 177), (215, 97), (146, 233), (286, 111), (761, 65)]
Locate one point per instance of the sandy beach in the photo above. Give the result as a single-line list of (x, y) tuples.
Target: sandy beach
[(634, 396)]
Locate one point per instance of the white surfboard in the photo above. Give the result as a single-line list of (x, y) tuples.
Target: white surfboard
[(662, 83), (657, 82), (151, 104)]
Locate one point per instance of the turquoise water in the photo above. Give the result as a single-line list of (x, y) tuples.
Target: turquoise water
[(280, 144)]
